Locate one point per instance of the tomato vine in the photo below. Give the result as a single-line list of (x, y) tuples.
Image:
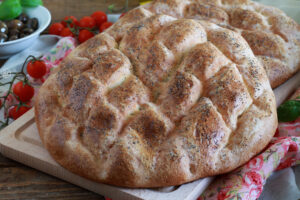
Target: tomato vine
[(20, 105)]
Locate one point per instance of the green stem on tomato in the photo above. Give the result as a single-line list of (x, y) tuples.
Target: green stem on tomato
[(23, 66), (20, 76)]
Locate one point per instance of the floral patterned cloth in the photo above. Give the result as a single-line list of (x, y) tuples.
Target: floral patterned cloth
[(245, 182), (60, 51)]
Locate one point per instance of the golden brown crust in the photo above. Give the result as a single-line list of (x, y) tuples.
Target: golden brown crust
[(175, 101), (269, 31)]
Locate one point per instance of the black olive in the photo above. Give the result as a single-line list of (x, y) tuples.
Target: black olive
[(34, 23), (27, 31), (3, 37), (15, 24), (14, 31), (3, 27), (13, 37), (29, 23), (23, 18)]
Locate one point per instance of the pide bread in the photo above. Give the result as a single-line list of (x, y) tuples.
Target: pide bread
[(273, 36), (157, 101)]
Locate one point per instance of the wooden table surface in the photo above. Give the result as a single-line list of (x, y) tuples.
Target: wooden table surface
[(21, 182)]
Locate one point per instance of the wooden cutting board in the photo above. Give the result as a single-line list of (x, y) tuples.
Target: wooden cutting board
[(20, 141)]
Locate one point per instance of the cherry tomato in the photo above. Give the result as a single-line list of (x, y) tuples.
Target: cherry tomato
[(36, 69), (100, 17), (71, 20), (105, 26), (15, 113), (0, 103), (84, 35), (66, 32), (56, 28), (87, 22), (23, 91), (122, 15)]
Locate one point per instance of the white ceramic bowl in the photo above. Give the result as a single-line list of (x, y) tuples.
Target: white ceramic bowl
[(10, 48)]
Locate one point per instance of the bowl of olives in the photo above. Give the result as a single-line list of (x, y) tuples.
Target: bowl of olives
[(20, 33)]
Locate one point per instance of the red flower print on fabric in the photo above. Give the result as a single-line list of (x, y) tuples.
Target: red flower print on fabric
[(252, 178), (256, 163)]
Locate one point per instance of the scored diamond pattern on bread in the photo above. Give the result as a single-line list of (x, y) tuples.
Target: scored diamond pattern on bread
[(157, 101), (272, 35)]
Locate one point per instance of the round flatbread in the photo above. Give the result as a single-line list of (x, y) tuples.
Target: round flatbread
[(157, 101), (273, 36)]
